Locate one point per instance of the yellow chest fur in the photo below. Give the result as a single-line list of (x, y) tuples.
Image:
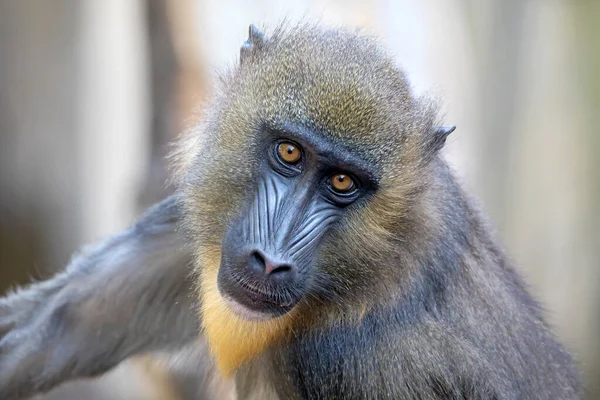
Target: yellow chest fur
[(233, 340)]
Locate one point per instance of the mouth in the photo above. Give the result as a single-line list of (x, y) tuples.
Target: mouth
[(245, 312), (255, 303)]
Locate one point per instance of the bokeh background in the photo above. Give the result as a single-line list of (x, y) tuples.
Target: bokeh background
[(92, 92)]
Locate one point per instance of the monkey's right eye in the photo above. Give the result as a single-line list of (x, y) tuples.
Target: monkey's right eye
[(289, 153)]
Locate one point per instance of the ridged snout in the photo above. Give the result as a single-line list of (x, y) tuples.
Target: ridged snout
[(269, 249)]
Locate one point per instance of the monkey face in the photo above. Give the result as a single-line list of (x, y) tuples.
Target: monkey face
[(304, 185), (300, 155)]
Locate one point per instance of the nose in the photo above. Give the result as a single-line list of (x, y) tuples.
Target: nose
[(266, 266)]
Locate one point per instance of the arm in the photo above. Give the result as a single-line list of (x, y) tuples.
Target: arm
[(133, 293)]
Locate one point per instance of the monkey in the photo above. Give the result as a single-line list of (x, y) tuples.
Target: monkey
[(318, 246)]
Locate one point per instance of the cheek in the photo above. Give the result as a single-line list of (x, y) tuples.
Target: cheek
[(214, 198), (356, 258), (344, 264)]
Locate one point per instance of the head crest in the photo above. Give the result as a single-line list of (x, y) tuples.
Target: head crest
[(255, 40)]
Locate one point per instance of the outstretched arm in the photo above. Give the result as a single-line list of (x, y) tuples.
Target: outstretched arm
[(130, 294)]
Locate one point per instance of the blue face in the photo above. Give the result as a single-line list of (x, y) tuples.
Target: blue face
[(304, 185)]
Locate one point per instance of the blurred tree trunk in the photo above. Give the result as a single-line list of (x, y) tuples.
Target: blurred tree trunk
[(586, 45), (496, 29), (164, 123), (177, 84)]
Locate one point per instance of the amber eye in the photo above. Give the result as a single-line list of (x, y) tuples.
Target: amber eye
[(289, 152), (342, 183)]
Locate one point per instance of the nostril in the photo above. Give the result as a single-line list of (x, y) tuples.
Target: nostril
[(257, 261), (277, 269)]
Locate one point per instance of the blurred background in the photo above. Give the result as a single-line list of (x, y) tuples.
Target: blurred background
[(92, 92)]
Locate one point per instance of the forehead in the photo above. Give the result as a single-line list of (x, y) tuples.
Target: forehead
[(339, 84)]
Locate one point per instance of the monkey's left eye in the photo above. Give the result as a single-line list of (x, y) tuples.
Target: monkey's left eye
[(342, 183), (289, 152)]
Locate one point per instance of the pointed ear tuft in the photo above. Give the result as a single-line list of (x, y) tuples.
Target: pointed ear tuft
[(255, 40), (439, 135)]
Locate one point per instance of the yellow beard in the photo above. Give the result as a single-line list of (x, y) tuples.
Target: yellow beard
[(232, 340)]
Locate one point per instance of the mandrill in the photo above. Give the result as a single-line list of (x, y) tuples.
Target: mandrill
[(317, 247)]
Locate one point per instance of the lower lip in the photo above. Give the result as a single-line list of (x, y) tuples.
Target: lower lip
[(245, 312)]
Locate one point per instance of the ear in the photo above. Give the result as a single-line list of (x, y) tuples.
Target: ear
[(131, 294), (437, 137), (255, 41)]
